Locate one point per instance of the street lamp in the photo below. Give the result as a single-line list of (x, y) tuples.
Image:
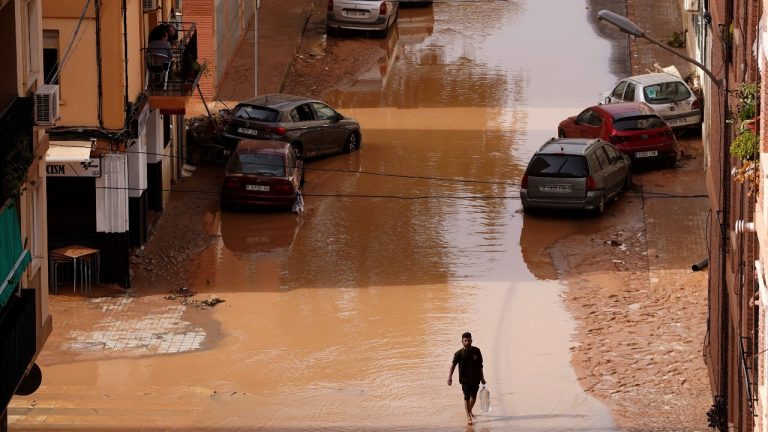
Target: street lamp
[(630, 28)]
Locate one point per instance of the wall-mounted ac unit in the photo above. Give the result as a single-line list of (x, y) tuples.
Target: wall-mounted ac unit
[(149, 5), (46, 108), (691, 5)]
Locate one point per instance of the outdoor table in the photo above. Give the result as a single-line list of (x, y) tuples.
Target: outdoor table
[(82, 259)]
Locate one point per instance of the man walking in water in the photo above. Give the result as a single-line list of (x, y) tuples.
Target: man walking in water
[(470, 362)]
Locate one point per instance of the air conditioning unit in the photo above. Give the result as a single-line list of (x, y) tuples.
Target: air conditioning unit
[(691, 5), (149, 5), (46, 109)]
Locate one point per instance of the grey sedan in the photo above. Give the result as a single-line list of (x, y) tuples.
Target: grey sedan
[(311, 126)]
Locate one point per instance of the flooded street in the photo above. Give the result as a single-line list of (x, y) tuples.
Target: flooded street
[(346, 317)]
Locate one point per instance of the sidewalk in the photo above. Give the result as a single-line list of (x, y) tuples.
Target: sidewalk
[(280, 29), (676, 227)]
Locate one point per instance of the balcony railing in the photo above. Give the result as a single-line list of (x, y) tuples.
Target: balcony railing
[(17, 342), (174, 71)]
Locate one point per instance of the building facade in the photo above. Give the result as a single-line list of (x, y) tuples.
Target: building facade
[(25, 322), (118, 144)]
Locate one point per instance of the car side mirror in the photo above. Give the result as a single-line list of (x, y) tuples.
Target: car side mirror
[(607, 100)]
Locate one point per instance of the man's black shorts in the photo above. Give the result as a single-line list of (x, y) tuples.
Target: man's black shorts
[(470, 391)]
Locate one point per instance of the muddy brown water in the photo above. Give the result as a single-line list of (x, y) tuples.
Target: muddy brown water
[(346, 317)]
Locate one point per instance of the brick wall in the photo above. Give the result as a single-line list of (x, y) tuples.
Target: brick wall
[(200, 12)]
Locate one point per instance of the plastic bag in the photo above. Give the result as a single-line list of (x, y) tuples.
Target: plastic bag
[(485, 399), (298, 204)]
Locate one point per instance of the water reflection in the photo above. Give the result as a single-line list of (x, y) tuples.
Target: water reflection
[(259, 234)]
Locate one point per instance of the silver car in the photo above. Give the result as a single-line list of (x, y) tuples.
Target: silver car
[(575, 173), (368, 15), (667, 94)]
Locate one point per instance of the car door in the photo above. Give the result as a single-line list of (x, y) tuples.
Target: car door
[(333, 133), (630, 93), (588, 124), (615, 174), (617, 95), (307, 129)]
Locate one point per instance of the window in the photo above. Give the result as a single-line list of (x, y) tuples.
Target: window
[(323, 112), (252, 112), (629, 93), (639, 123), (302, 113), (260, 164), (590, 118), (50, 56), (666, 93), (564, 166), (593, 162), (612, 155), (618, 92), (602, 157)]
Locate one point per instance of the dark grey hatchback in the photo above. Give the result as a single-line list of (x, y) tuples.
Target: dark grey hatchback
[(575, 173), (311, 126)]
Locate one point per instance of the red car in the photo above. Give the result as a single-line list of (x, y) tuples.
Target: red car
[(262, 174), (633, 127)]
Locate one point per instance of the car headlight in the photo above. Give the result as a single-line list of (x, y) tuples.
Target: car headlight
[(247, 131)]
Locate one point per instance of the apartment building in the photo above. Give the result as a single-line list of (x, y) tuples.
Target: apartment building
[(25, 322)]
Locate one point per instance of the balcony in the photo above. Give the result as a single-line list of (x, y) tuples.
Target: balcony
[(172, 73), (16, 145)]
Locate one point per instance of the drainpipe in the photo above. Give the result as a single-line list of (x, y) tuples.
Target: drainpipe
[(125, 48), (100, 98), (725, 201)]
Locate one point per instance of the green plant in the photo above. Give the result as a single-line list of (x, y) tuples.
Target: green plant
[(717, 416), (14, 171), (677, 40), (745, 146), (746, 109)]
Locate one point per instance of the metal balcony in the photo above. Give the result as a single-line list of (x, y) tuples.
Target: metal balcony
[(172, 74)]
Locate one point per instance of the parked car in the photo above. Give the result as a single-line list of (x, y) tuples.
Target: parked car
[(262, 174), (311, 126), (633, 127), (667, 94), (368, 15), (569, 173)]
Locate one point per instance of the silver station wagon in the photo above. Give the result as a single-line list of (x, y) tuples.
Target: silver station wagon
[(575, 173)]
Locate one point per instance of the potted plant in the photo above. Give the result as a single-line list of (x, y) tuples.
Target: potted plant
[(745, 147), (746, 108)]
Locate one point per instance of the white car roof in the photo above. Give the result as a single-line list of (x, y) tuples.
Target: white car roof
[(654, 78)]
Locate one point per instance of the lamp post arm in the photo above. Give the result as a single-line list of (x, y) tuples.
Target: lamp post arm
[(715, 80)]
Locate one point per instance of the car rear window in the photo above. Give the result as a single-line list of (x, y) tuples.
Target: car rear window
[(666, 92), (259, 164), (549, 165), (252, 112), (638, 123)]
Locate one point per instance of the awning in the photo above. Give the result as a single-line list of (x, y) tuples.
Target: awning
[(14, 259), (68, 151)]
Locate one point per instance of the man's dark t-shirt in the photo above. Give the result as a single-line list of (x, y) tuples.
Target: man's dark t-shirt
[(470, 363)]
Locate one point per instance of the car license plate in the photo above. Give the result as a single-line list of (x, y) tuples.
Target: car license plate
[(356, 13), (646, 154), (247, 131), (557, 188), (260, 188), (676, 122)]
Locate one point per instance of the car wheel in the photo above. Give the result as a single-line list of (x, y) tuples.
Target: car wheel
[(600, 207), (331, 31), (560, 133), (351, 144)]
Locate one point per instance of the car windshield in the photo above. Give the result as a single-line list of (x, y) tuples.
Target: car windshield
[(252, 112), (549, 165), (667, 92), (259, 164), (638, 123)]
